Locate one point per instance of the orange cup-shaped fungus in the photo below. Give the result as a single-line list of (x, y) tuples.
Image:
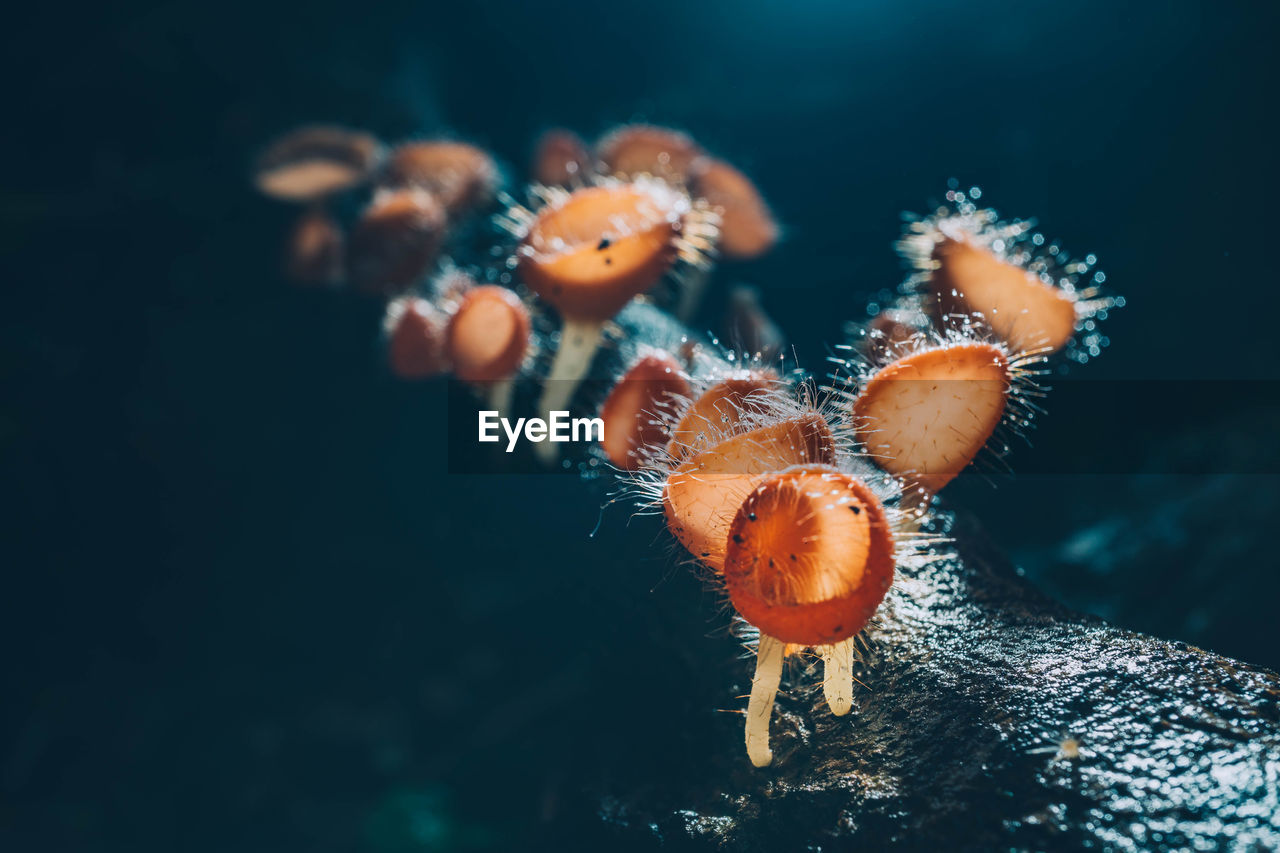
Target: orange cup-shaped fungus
[(314, 254), (633, 413), (1023, 311), (416, 346), (719, 409), (312, 163), (561, 159), (703, 493), (925, 416), (488, 335), (461, 176), (810, 557), (396, 240), (591, 253), (747, 226), (642, 149)]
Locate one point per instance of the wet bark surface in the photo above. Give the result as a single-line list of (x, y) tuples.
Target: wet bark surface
[(959, 738)]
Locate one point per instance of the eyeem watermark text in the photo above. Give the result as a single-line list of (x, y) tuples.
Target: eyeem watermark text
[(558, 428)]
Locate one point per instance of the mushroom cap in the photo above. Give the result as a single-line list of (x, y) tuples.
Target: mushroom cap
[(810, 556), (704, 492), (747, 226), (488, 334), (315, 251), (718, 409), (416, 348), (313, 162), (561, 158), (632, 413), (602, 246), (396, 240), (461, 176), (925, 416), (645, 149), (1023, 311)]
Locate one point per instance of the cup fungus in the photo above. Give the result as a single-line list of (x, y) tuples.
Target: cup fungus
[(416, 332), (312, 163), (716, 412), (589, 253), (488, 335), (1029, 291), (561, 159), (396, 240), (461, 176), (488, 338), (314, 254), (1025, 312), (636, 412), (810, 556), (759, 486), (747, 226), (641, 149), (702, 493), (927, 414)]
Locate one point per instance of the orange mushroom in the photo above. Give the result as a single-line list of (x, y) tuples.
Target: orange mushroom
[(314, 254), (1023, 311), (561, 159), (312, 163), (589, 253), (416, 345), (702, 494), (633, 412), (488, 335), (747, 226), (396, 240), (926, 415), (810, 557), (642, 149), (717, 410), (461, 176)]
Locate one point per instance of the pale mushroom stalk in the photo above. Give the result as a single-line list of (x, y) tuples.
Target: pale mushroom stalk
[(837, 681), (500, 395), (764, 687), (579, 340)]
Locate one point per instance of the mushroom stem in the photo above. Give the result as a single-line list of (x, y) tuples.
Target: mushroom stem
[(500, 394), (837, 682), (692, 284), (579, 340), (764, 687)]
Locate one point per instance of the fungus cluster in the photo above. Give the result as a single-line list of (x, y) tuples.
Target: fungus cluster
[(799, 503)]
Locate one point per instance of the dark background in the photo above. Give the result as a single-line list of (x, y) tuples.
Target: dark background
[(244, 607)]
